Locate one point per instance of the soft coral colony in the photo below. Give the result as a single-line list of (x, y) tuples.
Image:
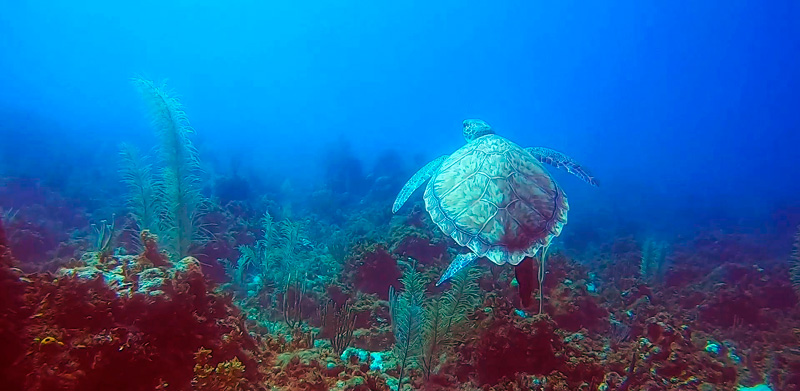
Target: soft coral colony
[(198, 290)]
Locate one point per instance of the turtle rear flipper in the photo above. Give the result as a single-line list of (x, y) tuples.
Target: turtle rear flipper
[(560, 160), (424, 173), (524, 275), (461, 261)]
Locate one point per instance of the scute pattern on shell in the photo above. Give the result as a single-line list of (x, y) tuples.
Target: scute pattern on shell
[(496, 198)]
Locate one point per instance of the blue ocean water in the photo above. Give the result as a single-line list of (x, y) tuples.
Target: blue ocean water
[(674, 106), (687, 113)]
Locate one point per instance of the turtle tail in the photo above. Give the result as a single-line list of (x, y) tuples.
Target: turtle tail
[(524, 274)]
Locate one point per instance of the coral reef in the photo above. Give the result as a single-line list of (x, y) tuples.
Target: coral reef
[(39, 222), (12, 330), (166, 326), (321, 288), (794, 272), (79, 333)]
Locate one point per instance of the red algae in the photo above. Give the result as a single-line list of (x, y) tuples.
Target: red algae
[(151, 341), (374, 270), (77, 334)]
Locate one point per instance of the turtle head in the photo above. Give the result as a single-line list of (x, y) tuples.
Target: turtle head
[(474, 128)]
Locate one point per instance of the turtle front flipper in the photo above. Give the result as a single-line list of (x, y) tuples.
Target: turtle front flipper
[(558, 159), (461, 261), (424, 173)]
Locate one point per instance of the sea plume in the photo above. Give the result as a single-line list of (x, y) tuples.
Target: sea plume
[(653, 263), (426, 327), (178, 185), (407, 314), (446, 317), (137, 175)]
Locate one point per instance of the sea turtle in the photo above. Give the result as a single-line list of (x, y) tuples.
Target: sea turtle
[(495, 198)]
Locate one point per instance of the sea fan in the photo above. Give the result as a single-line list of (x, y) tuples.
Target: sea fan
[(407, 314), (794, 272), (179, 183), (137, 174), (445, 317)]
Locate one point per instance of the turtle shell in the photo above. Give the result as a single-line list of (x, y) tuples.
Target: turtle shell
[(497, 199)]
